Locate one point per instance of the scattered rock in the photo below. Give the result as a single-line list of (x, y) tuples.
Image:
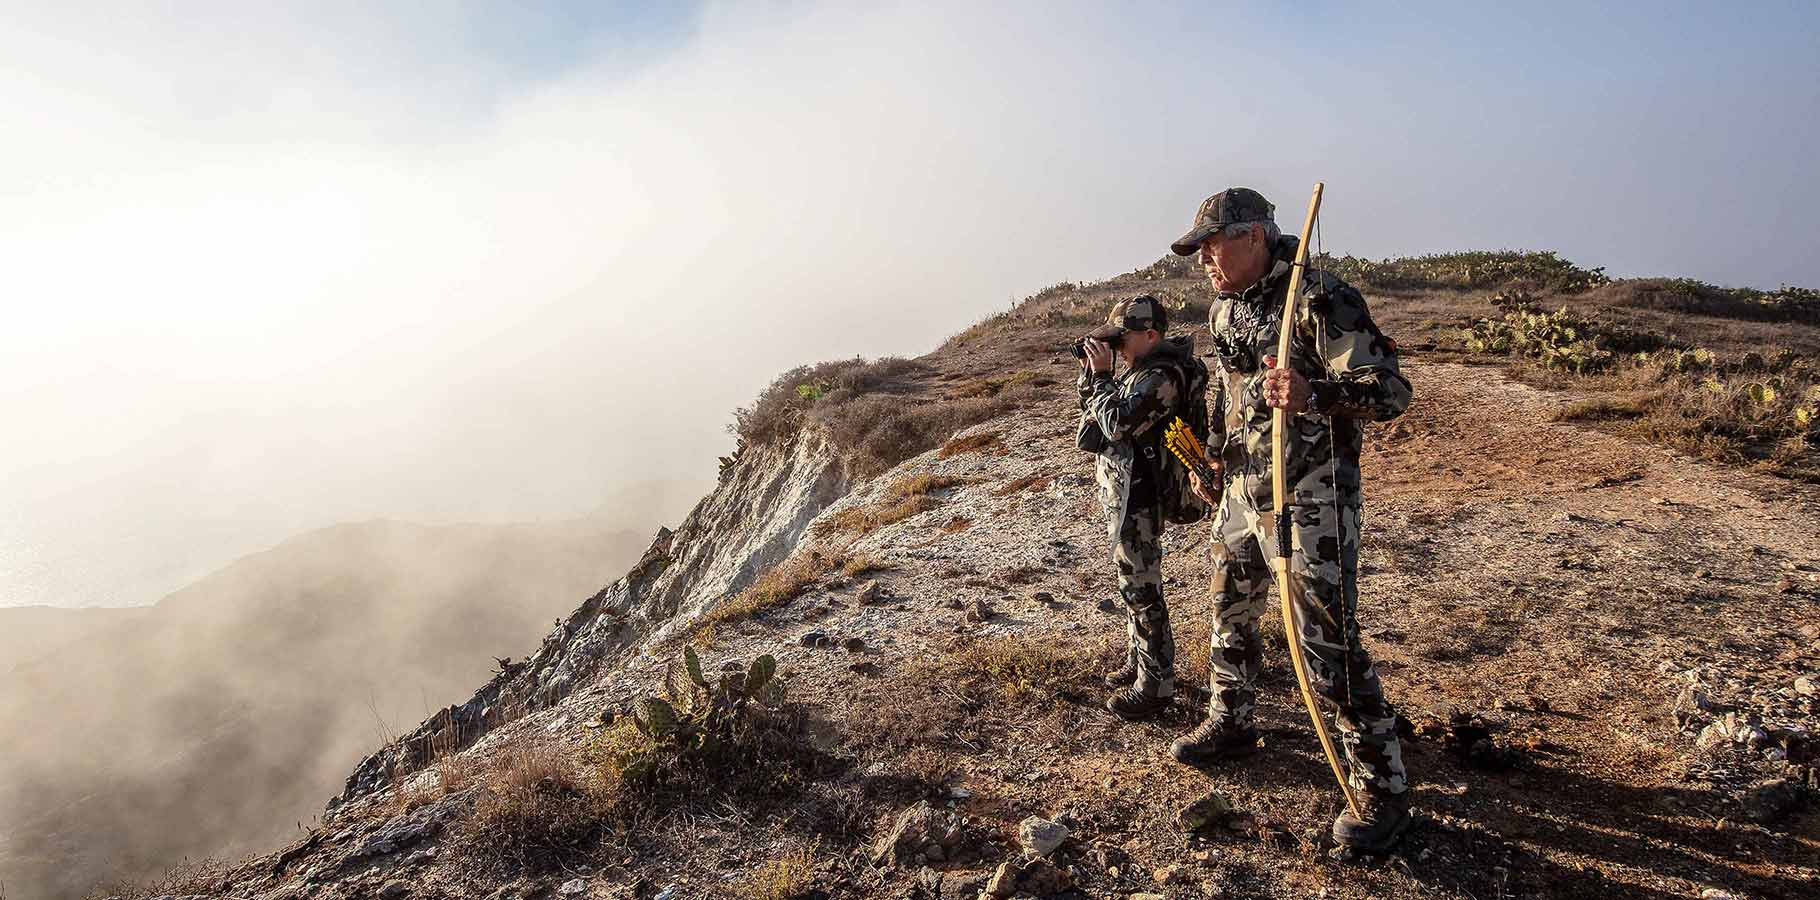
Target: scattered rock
[(1038, 877), (917, 830), (1144, 897), (853, 645), (1041, 836), (1807, 687), (1716, 894), (407, 830), (1469, 736), (394, 889), (981, 611), (869, 593), (1768, 801), (1715, 734), (1043, 597), (812, 639), (573, 887), (1207, 811), (1106, 605), (1169, 874)]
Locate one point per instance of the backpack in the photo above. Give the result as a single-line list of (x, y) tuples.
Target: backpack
[(1175, 492)]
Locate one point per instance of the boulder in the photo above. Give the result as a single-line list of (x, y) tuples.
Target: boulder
[(1041, 836)]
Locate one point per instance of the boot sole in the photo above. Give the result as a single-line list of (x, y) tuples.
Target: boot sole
[(1380, 846)]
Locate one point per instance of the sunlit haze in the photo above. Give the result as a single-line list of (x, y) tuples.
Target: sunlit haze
[(264, 271)]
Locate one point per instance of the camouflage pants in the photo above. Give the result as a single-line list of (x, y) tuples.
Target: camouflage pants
[(1139, 554), (1323, 585)]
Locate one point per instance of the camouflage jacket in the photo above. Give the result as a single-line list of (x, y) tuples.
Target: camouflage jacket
[(1350, 364), (1131, 411)]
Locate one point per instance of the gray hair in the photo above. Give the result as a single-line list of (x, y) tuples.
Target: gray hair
[(1240, 229)]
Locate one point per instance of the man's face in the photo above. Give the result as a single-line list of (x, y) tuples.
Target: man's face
[(1233, 263)]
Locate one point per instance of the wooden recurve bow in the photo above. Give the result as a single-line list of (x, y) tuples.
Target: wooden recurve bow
[(1292, 625)]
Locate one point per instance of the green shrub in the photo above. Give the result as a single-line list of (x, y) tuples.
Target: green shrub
[(1469, 270), (731, 729), (1558, 340)]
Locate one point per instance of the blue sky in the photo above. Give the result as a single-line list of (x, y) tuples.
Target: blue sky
[(268, 267)]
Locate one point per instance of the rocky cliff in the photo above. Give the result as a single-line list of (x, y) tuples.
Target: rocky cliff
[(752, 520)]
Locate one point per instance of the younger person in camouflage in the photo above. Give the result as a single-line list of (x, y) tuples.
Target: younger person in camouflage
[(1122, 420), (1344, 372)]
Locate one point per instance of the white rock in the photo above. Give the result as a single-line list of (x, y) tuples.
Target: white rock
[(1041, 836)]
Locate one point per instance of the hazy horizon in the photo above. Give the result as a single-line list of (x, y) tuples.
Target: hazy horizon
[(269, 270)]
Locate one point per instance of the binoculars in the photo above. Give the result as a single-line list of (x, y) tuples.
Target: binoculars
[(1080, 345)]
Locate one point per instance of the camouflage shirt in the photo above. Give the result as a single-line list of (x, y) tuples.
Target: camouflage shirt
[(1349, 363), (1131, 411)]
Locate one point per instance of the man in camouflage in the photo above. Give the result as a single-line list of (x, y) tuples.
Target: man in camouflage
[(1344, 372), (1122, 420)]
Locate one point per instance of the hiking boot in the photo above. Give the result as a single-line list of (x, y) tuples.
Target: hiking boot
[(1386, 815), (1215, 739), (1131, 705), (1124, 676)]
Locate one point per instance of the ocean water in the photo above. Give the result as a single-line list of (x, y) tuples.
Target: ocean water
[(58, 557)]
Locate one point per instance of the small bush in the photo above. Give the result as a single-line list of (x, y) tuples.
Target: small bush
[(787, 877), (782, 408), (537, 812)]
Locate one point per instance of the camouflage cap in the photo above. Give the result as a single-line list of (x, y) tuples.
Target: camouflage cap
[(1228, 207), (1134, 314)]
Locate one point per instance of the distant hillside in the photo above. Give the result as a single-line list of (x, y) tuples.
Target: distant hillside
[(27, 632), (229, 711)]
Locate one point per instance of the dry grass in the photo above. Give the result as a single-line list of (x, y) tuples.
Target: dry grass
[(1022, 574), (778, 585), (537, 812), (451, 774), (1599, 409), (862, 564), (203, 877), (993, 385), (906, 497), (980, 440), (1021, 670), (938, 696), (787, 877), (1023, 483)]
